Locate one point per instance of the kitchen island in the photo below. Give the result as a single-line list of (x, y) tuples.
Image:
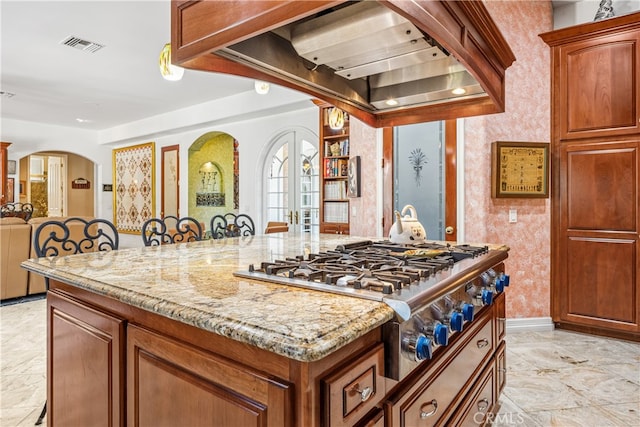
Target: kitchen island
[(169, 336)]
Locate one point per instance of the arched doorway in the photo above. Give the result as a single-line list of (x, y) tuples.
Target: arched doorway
[(57, 183)]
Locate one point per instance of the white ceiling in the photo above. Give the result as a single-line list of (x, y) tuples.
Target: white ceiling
[(118, 84)]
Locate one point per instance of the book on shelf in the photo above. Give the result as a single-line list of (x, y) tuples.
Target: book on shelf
[(336, 212), (335, 190), (336, 168), (337, 148)]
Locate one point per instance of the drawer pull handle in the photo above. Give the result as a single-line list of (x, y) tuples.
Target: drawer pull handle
[(482, 343), (483, 404), (365, 393), (424, 414)]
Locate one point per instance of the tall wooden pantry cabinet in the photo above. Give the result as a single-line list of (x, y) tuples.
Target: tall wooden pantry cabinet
[(595, 129)]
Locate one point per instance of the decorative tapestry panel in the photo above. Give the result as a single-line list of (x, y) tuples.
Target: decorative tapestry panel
[(133, 179)]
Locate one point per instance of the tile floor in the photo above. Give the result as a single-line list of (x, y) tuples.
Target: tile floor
[(554, 378)]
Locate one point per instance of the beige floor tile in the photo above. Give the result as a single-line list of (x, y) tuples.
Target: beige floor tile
[(592, 416)]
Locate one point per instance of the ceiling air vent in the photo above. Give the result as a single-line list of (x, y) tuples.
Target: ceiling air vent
[(81, 44)]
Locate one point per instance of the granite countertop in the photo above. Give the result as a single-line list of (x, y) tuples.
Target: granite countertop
[(194, 284)]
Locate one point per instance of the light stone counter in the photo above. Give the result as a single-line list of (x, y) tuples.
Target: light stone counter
[(194, 283)]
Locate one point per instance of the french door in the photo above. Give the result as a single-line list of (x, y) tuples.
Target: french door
[(292, 181)]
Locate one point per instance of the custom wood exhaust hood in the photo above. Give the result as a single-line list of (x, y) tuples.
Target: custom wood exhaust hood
[(387, 63)]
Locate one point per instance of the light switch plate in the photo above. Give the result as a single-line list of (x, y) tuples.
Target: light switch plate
[(513, 215)]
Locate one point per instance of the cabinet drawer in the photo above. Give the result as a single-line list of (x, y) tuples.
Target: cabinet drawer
[(434, 398), (355, 388), (481, 402)]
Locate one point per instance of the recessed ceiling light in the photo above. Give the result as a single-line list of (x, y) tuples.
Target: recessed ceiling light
[(458, 91), (261, 87), (391, 102), (79, 120)]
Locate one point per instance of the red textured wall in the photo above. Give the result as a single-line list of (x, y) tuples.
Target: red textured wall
[(527, 118)]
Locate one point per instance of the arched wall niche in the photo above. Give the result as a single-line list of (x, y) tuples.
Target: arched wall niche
[(213, 176)]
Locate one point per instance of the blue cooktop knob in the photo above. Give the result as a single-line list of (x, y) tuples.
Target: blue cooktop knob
[(505, 277), (467, 312), (487, 297), (424, 349), (456, 321), (441, 334), (500, 284)]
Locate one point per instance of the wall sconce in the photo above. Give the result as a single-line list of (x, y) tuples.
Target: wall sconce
[(167, 69), (261, 87), (336, 118)]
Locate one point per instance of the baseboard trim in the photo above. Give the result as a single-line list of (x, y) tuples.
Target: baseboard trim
[(530, 324)]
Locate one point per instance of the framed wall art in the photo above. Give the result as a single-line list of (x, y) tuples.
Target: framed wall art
[(519, 169), (11, 190), (353, 177), (11, 167), (134, 184)]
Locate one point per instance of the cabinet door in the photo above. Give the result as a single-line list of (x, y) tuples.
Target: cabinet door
[(480, 403), (597, 89), (598, 253), (433, 400), (84, 366), (172, 384)]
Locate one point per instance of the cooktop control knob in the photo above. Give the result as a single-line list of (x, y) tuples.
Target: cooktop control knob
[(487, 297), (456, 321), (486, 279), (467, 312), (424, 349), (505, 278), (441, 334), (499, 284), (417, 346)]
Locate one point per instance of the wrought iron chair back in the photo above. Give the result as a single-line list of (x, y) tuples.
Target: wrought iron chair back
[(71, 236), (232, 225), (75, 235), (20, 210), (171, 229)]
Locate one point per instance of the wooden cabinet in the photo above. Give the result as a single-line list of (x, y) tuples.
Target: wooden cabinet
[(446, 387), (479, 404), (3, 171), (170, 384), (595, 250), (334, 162), (113, 364), (85, 365), (354, 389)]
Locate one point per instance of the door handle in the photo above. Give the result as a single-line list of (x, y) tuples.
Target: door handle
[(290, 217), (449, 230), (297, 218)]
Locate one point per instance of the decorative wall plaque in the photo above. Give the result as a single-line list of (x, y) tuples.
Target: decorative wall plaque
[(520, 169)]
